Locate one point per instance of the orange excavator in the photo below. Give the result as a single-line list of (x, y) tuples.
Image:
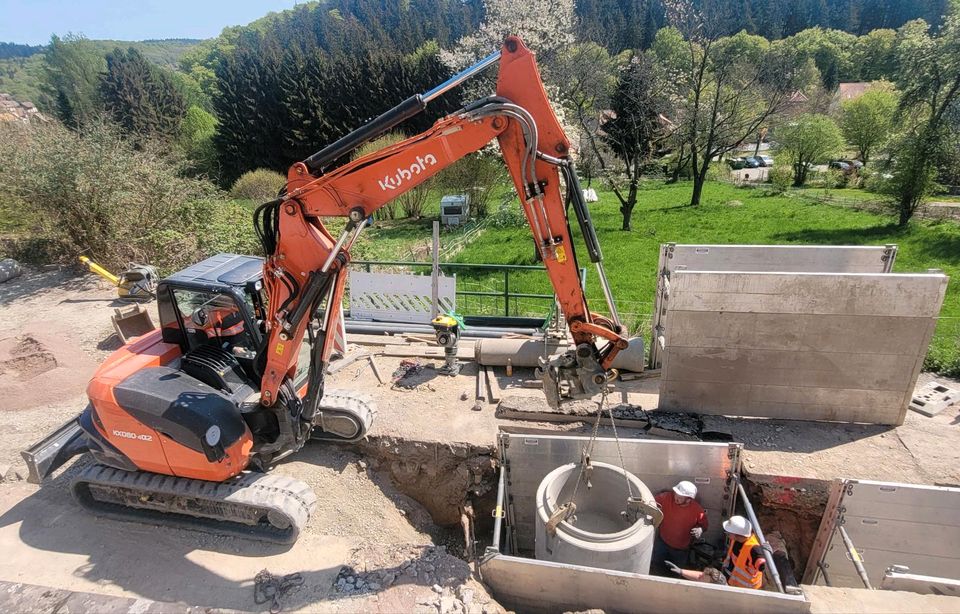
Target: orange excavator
[(184, 421)]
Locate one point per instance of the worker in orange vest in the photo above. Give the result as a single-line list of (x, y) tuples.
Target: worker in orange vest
[(745, 559)]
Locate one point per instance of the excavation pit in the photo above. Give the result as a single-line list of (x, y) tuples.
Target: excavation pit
[(522, 580)]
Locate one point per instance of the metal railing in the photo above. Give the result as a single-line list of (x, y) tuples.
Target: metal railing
[(506, 295)]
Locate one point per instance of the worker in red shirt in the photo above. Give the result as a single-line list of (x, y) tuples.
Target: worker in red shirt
[(684, 522)]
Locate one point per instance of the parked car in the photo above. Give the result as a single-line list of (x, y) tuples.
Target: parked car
[(737, 163), (855, 164), (841, 165), (752, 162), (765, 161)]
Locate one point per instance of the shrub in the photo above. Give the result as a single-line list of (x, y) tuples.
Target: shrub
[(260, 185), (477, 175), (781, 176), (95, 193), (876, 182)]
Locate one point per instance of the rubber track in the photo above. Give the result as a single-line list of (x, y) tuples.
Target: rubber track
[(350, 402), (288, 497)]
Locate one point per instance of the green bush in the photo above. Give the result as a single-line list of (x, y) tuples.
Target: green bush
[(93, 192), (477, 175), (259, 185), (781, 176), (876, 182)]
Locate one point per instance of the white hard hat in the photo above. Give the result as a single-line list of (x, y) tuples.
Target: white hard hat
[(686, 489), (738, 525)]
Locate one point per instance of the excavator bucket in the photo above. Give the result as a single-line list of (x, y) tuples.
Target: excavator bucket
[(131, 321)]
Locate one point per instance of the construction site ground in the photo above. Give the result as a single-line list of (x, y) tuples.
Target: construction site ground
[(380, 502)]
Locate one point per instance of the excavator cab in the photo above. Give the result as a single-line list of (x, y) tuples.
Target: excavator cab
[(217, 303)]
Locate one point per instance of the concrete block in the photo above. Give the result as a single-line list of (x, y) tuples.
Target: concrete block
[(933, 398)]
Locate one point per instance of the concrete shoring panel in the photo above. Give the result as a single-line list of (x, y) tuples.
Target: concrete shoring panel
[(804, 346), (925, 585), (659, 464), (770, 258), (910, 525), (527, 585)]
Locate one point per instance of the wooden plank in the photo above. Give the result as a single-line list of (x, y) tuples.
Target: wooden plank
[(527, 585), (792, 331), (814, 369), (422, 351), (821, 542), (493, 384), (890, 294)]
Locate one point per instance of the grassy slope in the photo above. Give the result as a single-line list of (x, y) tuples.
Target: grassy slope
[(662, 216)]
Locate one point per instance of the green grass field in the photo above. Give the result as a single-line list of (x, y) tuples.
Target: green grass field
[(728, 215)]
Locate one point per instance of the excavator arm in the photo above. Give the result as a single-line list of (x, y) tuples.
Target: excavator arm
[(306, 266)]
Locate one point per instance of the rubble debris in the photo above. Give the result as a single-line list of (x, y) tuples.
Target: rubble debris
[(933, 398), (9, 269), (270, 588)]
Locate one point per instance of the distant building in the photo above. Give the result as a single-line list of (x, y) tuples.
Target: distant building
[(852, 91), (849, 91), (12, 110)]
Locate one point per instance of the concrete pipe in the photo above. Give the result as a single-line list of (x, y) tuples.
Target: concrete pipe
[(526, 353), (604, 532)]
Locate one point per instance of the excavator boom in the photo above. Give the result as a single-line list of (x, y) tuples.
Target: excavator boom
[(305, 268)]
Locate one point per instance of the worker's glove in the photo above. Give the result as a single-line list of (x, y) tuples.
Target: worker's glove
[(672, 567), (696, 532)]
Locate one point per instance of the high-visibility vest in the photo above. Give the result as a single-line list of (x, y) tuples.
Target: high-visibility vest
[(744, 573)]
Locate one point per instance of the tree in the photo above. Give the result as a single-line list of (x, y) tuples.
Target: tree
[(544, 25), (809, 140), (831, 50), (633, 128), (867, 121), (929, 79), (586, 75), (874, 54), (72, 68), (725, 90), (140, 97)]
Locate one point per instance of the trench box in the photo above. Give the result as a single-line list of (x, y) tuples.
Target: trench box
[(527, 585)]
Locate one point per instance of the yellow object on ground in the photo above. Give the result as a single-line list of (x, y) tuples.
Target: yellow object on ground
[(99, 270)]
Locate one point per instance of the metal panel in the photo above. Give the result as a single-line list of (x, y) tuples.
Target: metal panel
[(770, 258), (395, 297), (805, 346), (659, 464), (527, 585), (925, 585), (914, 526)]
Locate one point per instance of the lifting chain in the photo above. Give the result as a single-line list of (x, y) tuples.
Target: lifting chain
[(568, 509)]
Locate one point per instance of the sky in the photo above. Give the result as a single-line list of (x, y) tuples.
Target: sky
[(33, 21)]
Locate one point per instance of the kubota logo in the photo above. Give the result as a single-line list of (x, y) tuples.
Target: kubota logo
[(129, 435), (405, 174)]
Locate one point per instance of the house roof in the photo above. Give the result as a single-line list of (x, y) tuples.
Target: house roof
[(13, 110), (850, 91)]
